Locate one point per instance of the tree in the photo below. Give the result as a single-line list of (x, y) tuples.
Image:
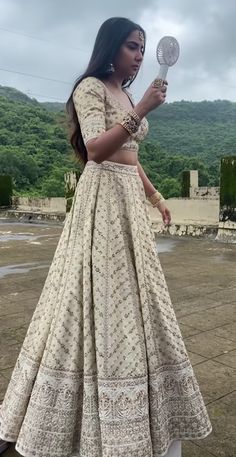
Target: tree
[(22, 168), (170, 187), (54, 185)]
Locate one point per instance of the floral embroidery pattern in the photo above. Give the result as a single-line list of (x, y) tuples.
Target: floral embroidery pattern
[(103, 370), (98, 110)]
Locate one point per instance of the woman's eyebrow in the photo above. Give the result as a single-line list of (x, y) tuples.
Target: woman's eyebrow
[(133, 42), (136, 43)]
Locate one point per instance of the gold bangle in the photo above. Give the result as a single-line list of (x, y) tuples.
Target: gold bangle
[(159, 201), (155, 198), (135, 116), (131, 122)]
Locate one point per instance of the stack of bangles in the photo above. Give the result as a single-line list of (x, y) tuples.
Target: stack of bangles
[(131, 122), (156, 198)]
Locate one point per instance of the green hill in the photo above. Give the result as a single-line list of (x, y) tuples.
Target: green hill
[(35, 150), (17, 96), (34, 146), (54, 106), (206, 129)]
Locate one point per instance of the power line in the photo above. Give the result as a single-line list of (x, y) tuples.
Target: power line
[(69, 47), (36, 76), (29, 93), (42, 39)]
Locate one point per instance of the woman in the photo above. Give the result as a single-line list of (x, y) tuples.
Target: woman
[(103, 370)]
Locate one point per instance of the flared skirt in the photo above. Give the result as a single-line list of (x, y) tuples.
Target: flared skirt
[(103, 370)]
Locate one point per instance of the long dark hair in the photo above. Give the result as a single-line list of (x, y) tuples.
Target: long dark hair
[(111, 35)]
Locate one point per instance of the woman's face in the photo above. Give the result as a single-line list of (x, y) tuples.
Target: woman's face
[(130, 56)]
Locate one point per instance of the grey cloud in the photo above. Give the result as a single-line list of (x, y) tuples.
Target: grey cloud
[(50, 14), (210, 33), (205, 30)]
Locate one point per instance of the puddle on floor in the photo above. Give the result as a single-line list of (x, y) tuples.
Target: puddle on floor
[(9, 236), (165, 245), (20, 268), (23, 236), (24, 224)]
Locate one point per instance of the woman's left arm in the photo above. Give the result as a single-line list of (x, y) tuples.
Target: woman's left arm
[(148, 186), (149, 190)]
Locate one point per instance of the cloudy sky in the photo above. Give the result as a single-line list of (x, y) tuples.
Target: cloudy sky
[(46, 44)]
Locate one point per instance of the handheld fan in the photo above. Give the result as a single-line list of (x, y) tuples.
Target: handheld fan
[(167, 54)]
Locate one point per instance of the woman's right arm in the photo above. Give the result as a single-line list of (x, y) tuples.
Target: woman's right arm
[(89, 101)]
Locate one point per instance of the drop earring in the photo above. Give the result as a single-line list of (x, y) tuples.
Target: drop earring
[(110, 69)]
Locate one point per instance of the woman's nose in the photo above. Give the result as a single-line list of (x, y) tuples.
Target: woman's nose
[(139, 56)]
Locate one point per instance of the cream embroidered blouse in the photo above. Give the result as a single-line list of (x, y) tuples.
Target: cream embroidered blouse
[(99, 110)]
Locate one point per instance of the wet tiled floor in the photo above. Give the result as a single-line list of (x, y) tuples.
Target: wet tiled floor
[(201, 276)]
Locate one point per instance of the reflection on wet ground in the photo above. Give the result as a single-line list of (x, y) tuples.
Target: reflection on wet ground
[(24, 246), (13, 222), (8, 236), (165, 245), (31, 233), (201, 278), (18, 238), (20, 268), (19, 231)]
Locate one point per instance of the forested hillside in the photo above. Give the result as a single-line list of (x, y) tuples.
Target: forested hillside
[(206, 129), (35, 150)]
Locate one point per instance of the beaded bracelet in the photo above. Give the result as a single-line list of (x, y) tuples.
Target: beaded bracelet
[(156, 198), (131, 122)]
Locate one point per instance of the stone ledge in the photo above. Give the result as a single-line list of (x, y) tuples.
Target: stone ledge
[(185, 229), (27, 216)]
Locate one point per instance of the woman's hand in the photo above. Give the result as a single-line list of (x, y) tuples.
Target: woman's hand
[(165, 212), (152, 98)]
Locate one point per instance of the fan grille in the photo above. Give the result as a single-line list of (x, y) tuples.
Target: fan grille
[(167, 51)]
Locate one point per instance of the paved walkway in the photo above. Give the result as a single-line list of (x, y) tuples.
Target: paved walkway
[(201, 275)]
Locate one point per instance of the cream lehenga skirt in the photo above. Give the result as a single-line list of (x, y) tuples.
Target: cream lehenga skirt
[(103, 370)]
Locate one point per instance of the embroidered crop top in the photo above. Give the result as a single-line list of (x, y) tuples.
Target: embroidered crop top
[(98, 110)]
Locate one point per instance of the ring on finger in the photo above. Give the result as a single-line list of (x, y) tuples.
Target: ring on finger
[(157, 83)]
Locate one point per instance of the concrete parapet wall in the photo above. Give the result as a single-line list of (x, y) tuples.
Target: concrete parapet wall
[(184, 229), (183, 210), (188, 211), (45, 205), (205, 192), (227, 231), (192, 217)]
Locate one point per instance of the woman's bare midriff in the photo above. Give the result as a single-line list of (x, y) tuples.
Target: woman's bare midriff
[(126, 156)]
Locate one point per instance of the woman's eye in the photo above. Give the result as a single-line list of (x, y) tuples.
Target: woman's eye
[(133, 47)]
